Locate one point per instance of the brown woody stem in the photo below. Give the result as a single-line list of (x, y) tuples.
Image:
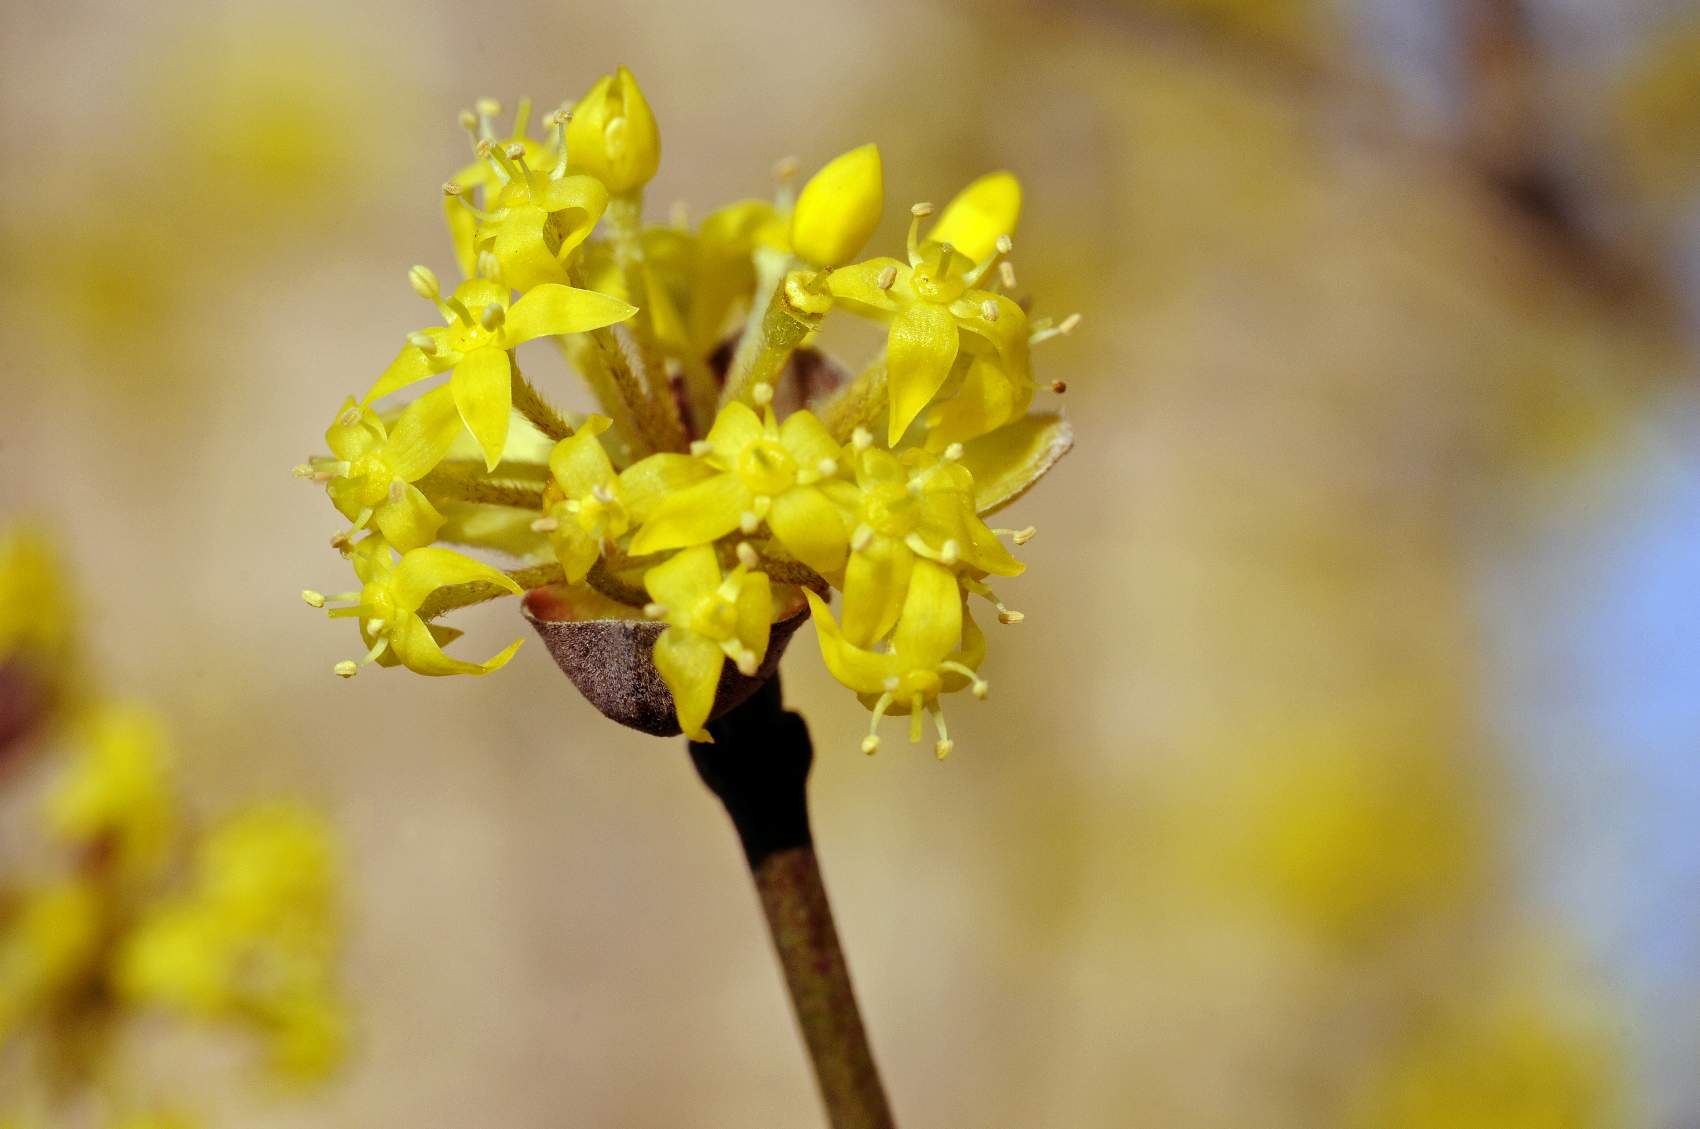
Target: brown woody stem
[(758, 766)]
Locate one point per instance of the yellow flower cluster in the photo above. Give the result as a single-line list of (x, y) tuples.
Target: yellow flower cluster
[(732, 477), (138, 911)]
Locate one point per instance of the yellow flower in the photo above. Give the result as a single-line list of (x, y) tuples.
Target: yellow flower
[(50, 942), (116, 798), (482, 175), (839, 208), (768, 471), (709, 618), (371, 480), (480, 329), (930, 301), (591, 509), (936, 649), (35, 610), (388, 606), (537, 219), (916, 505), (613, 136)]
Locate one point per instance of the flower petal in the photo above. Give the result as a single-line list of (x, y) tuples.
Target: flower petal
[(875, 581), (931, 624), (423, 435), (857, 286), (863, 671), (1012, 458), (483, 391), (680, 581), (695, 515), (919, 353), (423, 571), (410, 366), (736, 427), (553, 308), (808, 441), (411, 522), (755, 612), (648, 481), (576, 550), (690, 665), (986, 209), (809, 526), (579, 462), (574, 204), (413, 643)]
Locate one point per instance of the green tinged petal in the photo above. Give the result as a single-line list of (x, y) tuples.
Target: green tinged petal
[(857, 286), (576, 551), (808, 441), (690, 665), (736, 427), (483, 391), (695, 515), (423, 571), (553, 309), (410, 366), (1012, 458), (919, 354), (875, 581), (574, 204), (755, 612), (809, 526)]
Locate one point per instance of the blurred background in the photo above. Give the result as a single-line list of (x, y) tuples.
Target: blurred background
[(1344, 771)]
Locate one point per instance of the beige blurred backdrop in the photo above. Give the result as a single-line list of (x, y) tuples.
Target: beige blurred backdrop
[(1289, 807)]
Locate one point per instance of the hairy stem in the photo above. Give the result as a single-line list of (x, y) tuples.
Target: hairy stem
[(758, 766), (861, 403), (456, 596), (530, 403)]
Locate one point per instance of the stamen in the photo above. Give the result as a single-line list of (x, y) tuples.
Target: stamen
[(827, 467), (912, 243), (1006, 274), (887, 278), (398, 491), (489, 266), (749, 521), (916, 708), (347, 668), (303, 470), (762, 394), (679, 215), (977, 686), (950, 551), (469, 122), (1059, 386), (1019, 536), (459, 310), (747, 664), (1005, 244), (952, 453), (871, 743), (655, 611), (1068, 324), (747, 555), (989, 310), (1009, 616), (493, 316), (488, 107), (545, 525), (701, 447), (349, 418), (424, 342), (921, 210), (861, 439), (313, 599), (786, 169), (424, 282), (860, 539), (945, 745), (603, 493)]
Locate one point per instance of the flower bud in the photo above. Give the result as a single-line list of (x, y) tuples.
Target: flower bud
[(612, 134), (839, 208)]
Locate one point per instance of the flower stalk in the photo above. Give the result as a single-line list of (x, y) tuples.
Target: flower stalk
[(758, 766)]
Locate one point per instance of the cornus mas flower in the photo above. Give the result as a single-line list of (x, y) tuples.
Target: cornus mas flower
[(730, 469)]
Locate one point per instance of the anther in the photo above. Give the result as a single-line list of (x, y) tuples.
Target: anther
[(1069, 324), (487, 107), (342, 540), (493, 316), (398, 491), (424, 342), (747, 555), (762, 394), (1059, 386), (887, 278), (989, 310), (489, 266), (545, 525), (950, 551), (921, 211), (747, 664), (952, 453), (891, 684), (980, 688), (468, 120), (515, 152), (860, 539), (313, 599), (1022, 536), (944, 747), (1009, 616), (303, 470), (424, 282), (827, 467), (1005, 244), (786, 168), (484, 149), (701, 447), (749, 521), (450, 188), (861, 439), (871, 744), (1006, 275), (347, 668), (655, 611), (349, 418), (603, 493)]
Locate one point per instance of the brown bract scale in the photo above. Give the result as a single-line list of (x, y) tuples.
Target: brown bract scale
[(609, 658)]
